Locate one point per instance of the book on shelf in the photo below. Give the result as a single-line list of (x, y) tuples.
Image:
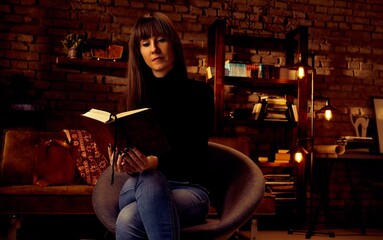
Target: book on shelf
[(282, 157), (288, 193), (209, 72), (356, 138), (281, 188), (293, 112), (279, 179), (263, 159), (276, 175), (268, 182), (275, 109), (283, 150), (136, 128), (236, 69), (357, 144), (269, 113), (256, 110), (283, 198), (276, 116), (274, 99)]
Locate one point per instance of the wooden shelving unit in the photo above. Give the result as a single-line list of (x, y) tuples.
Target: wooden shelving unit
[(297, 40), (217, 42)]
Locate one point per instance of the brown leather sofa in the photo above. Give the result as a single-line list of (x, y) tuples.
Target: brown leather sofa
[(19, 197)]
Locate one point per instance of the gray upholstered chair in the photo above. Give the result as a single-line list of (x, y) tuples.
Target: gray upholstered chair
[(237, 187)]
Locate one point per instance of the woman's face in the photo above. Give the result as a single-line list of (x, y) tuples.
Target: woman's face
[(157, 53)]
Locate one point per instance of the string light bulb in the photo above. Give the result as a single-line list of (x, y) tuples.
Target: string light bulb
[(298, 157), (299, 152), (327, 110), (301, 72), (328, 114)]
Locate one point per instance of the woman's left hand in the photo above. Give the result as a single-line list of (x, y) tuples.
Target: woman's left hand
[(134, 161)]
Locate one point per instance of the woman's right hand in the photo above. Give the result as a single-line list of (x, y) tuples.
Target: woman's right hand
[(118, 164)]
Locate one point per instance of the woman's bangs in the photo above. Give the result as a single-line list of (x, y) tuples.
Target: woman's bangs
[(151, 27)]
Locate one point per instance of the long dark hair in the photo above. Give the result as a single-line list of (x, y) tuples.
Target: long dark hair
[(151, 24)]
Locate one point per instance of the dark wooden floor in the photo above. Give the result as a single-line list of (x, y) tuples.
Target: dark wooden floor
[(77, 227), (64, 227)]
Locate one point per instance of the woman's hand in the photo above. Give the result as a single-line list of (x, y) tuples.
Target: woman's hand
[(118, 161), (132, 160)]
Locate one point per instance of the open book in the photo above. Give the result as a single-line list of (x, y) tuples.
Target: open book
[(136, 128)]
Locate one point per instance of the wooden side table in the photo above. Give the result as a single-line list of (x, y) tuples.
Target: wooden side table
[(325, 164)]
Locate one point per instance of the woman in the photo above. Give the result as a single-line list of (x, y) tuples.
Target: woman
[(165, 192)]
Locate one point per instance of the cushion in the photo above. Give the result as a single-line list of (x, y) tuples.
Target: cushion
[(90, 161)]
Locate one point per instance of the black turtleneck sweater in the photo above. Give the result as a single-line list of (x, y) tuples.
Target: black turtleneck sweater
[(185, 111)]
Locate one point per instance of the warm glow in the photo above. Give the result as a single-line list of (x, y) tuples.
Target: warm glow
[(328, 115), (298, 157), (301, 72)]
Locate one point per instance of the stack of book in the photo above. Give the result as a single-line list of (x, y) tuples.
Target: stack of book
[(263, 159), (282, 186), (275, 108), (245, 69), (235, 69), (282, 156), (357, 144)]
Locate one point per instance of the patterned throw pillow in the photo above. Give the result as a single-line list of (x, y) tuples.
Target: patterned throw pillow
[(90, 161)]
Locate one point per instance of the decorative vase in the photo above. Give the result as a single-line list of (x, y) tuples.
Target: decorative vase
[(72, 53)]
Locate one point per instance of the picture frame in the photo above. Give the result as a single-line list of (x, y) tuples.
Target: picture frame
[(378, 108), (111, 52)]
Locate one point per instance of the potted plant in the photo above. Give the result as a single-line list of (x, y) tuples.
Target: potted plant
[(74, 43)]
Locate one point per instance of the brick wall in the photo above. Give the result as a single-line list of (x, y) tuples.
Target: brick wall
[(346, 35)]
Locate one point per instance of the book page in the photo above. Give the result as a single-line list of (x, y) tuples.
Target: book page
[(124, 114), (98, 115)]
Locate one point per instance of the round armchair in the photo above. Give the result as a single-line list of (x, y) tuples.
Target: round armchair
[(236, 186)]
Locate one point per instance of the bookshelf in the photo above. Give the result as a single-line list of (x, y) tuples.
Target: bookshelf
[(233, 111)]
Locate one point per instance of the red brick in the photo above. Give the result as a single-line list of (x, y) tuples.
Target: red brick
[(22, 55), (5, 8)]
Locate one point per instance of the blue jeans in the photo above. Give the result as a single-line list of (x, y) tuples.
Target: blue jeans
[(151, 207)]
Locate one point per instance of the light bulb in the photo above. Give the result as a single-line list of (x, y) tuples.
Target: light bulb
[(298, 157), (301, 72), (328, 115)]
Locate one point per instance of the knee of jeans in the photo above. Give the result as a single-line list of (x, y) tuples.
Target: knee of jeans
[(193, 207), (152, 177), (128, 216), (146, 178)]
